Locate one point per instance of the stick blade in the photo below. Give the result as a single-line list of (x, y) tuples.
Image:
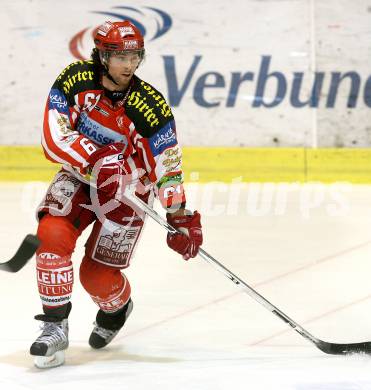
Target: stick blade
[(24, 253), (344, 349)]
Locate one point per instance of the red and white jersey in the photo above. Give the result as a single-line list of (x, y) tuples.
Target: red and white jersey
[(81, 116)]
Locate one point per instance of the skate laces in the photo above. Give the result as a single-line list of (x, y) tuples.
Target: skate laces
[(103, 332), (52, 333)]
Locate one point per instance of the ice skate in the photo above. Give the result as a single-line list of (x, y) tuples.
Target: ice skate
[(107, 326), (49, 347)]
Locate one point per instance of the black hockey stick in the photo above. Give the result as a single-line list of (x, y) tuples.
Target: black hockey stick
[(24, 253), (330, 348)]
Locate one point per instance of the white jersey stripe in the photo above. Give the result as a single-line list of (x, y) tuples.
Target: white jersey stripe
[(57, 138), (50, 153)]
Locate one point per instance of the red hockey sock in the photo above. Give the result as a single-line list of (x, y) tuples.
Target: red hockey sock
[(107, 286), (53, 261)]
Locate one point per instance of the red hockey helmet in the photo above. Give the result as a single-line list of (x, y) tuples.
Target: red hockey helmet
[(118, 36)]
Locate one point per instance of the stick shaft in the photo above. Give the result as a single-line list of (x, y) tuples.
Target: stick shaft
[(226, 272)]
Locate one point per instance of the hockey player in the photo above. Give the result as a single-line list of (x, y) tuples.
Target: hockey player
[(105, 125)]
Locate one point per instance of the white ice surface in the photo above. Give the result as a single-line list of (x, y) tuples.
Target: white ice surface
[(192, 328)]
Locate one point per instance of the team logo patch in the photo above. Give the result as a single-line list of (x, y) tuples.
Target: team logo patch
[(58, 101), (163, 139)]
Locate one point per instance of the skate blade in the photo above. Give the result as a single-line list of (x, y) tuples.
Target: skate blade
[(50, 361)]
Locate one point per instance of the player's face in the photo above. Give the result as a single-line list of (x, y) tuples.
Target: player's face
[(122, 66)]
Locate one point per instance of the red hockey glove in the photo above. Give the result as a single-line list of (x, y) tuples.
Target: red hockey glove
[(188, 243), (106, 166)]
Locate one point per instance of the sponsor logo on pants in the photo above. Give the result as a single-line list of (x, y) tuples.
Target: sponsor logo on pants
[(115, 244)]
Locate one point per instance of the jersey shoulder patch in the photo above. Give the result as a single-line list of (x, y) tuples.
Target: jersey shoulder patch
[(77, 77), (147, 108)]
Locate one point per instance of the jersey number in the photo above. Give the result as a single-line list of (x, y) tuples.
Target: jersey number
[(88, 146), (90, 101)]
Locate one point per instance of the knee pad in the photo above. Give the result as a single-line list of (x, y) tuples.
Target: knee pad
[(107, 286), (57, 235)]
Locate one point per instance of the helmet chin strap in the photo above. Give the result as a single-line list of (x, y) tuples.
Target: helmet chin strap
[(104, 61), (111, 78)]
